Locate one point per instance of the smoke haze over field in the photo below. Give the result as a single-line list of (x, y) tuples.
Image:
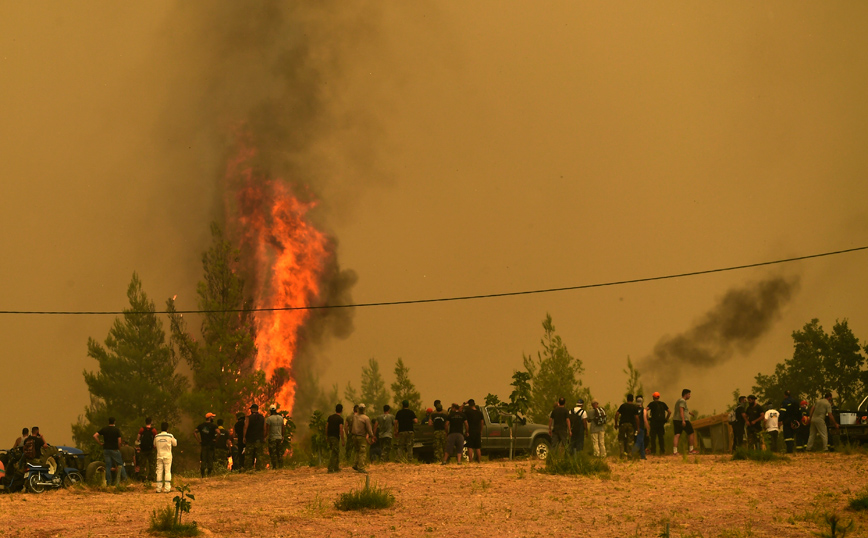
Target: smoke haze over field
[(733, 326), (454, 148)]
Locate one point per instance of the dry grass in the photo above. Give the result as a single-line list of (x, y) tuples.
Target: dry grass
[(709, 496)]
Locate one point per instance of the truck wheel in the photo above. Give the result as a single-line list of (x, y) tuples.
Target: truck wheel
[(540, 449), (72, 479), (95, 473), (33, 484)]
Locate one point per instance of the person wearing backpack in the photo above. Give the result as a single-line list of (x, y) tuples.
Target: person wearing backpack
[(738, 425), (579, 427), (148, 456), (598, 429), (658, 416)]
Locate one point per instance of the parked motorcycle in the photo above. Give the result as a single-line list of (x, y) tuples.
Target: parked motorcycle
[(53, 475)]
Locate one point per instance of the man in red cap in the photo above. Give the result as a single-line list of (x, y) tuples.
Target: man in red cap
[(658, 416), (205, 433)]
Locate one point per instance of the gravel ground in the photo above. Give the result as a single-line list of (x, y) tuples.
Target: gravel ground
[(705, 496)]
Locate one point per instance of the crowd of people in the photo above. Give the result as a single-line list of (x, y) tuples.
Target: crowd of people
[(390, 437)]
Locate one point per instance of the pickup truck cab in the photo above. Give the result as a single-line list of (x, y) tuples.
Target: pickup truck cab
[(496, 439)]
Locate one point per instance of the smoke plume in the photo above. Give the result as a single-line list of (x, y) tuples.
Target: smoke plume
[(733, 326)]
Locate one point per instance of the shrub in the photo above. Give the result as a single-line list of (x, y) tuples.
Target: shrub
[(366, 497), (859, 502), (742, 453), (576, 464), (163, 522)]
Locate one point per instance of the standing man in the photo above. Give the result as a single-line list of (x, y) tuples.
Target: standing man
[(405, 418), (222, 446), (437, 420), (383, 429), (475, 423), (363, 434), (238, 432), (740, 425), (559, 425), (274, 423), (147, 454), (818, 413), (753, 417), (598, 429), (578, 427), (627, 423), (681, 423), (335, 436), (111, 450), (771, 423), (456, 427), (349, 428), (205, 434), (658, 416), (804, 429), (163, 443), (789, 413), (128, 454), (254, 437)]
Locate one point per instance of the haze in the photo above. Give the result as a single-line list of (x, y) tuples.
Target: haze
[(458, 149)]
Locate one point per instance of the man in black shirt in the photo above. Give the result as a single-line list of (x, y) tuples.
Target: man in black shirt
[(627, 423), (111, 450), (658, 416), (753, 418), (790, 416), (456, 427), (254, 437), (437, 420), (238, 446), (475, 423), (206, 433), (335, 436), (559, 426), (405, 419)]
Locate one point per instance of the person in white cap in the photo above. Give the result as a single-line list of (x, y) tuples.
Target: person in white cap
[(363, 433), (274, 424)]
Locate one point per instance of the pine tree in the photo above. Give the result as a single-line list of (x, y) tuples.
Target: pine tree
[(554, 373), (225, 379), (136, 377), (634, 385), (374, 392), (404, 389)]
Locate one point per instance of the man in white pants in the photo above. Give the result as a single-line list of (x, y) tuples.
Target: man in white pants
[(163, 442)]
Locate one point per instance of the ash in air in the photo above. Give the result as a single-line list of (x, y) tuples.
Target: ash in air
[(733, 326)]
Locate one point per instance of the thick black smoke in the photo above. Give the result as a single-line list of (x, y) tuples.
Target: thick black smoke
[(733, 326)]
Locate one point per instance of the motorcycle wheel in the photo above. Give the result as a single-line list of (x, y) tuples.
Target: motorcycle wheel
[(33, 484), (95, 473), (72, 479)]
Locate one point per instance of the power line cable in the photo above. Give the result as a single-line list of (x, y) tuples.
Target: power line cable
[(458, 298)]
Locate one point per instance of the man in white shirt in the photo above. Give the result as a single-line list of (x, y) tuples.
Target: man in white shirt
[(771, 426), (163, 443)]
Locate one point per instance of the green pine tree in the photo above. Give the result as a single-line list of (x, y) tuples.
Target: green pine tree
[(554, 374), (136, 375), (374, 392), (404, 389)]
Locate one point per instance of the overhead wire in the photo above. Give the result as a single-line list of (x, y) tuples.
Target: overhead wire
[(447, 299)]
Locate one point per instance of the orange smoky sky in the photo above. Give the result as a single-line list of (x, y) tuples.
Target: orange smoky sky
[(455, 148)]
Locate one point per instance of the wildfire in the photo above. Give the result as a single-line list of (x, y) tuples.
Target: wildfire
[(289, 256)]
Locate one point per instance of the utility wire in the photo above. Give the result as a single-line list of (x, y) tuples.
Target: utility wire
[(446, 299)]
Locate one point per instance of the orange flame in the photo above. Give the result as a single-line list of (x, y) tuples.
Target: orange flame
[(289, 255)]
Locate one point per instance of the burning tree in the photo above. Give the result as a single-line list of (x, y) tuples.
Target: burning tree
[(225, 378)]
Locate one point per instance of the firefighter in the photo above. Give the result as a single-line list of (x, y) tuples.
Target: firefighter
[(790, 417), (804, 429)]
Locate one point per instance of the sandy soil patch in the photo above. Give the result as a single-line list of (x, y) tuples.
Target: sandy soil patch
[(705, 496)]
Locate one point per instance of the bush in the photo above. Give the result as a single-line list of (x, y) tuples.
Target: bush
[(579, 463), (163, 522), (367, 497), (763, 456), (859, 502)]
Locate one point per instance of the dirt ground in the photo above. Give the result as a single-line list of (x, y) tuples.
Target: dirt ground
[(707, 496)]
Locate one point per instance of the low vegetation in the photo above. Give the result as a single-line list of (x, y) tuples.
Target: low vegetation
[(763, 456), (368, 497), (579, 463)]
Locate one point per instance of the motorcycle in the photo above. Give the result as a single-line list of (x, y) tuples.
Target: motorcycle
[(53, 475)]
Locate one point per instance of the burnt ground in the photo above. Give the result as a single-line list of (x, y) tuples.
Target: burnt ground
[(709, 496)]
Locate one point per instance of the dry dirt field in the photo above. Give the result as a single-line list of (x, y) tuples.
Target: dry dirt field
[(707, 496)]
